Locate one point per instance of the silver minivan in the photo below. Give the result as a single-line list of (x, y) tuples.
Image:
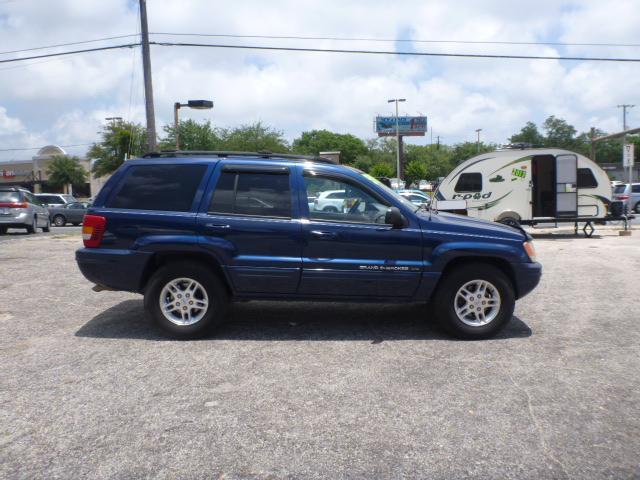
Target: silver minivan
[(20, 209), (629, 195)]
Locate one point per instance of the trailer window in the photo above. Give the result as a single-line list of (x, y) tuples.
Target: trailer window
[(469, 182), (586, 178)]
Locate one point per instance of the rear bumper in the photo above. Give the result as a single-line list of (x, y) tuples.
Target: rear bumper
[(527, 277), (116, 269), (15, 221)]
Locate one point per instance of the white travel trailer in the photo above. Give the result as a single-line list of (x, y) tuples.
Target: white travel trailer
[(530, 186)]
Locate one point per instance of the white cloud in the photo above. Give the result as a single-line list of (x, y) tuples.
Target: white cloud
[(65, 101)]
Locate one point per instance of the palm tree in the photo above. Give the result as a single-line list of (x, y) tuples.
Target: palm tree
[(66, 171)]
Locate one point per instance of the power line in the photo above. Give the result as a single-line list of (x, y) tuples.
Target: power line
[(66, 44), (382, 52), (59, 54), (400, 40), (38, 148)]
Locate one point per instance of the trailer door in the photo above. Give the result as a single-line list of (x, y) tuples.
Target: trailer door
[(566, 186)]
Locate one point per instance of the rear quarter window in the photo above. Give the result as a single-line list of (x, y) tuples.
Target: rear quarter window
[(158, 187), (619, 188)]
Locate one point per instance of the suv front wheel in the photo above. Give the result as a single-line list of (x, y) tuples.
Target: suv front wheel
[(185, 300), (474, 301)]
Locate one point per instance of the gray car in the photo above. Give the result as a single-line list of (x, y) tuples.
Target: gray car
[(55, 199), (69, 213), (20, 209), (629, 195)]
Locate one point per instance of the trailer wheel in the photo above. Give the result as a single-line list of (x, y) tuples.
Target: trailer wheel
[(510, 222)]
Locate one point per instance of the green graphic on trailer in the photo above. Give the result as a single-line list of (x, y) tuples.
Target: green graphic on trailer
[(491, 204)]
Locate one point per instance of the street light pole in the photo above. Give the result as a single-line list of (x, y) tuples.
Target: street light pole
[(478, 130), (624, 138), (195, 104), (396, 100)]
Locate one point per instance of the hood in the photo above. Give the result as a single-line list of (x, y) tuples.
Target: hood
[(450, 222)]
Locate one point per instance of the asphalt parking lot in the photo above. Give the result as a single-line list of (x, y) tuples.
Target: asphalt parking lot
[(89, 389)]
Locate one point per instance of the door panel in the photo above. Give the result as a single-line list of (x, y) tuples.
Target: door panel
[(250, 222), (352, 252), (566, 186)]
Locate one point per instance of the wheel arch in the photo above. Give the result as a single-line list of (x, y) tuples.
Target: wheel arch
[(501, 264), (160, 259)]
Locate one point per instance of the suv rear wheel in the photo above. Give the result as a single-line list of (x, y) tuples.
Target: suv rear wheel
[(185, 299), (638, 208), (474, 301), (59, 221)]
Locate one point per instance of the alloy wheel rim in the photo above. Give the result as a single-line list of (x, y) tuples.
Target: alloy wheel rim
[(184, 301), (58, 221), (477, 303)]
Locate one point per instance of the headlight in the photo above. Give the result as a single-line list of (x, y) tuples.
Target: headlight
[(531, 250)]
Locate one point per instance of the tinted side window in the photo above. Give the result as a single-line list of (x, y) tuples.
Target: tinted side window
[(158, 187), (586, 178), (469, 182), (635, 188), (252, 193)]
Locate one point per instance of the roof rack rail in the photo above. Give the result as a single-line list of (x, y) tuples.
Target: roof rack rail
[(257, 155)]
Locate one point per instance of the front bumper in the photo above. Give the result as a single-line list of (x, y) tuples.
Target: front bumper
[(527, 277), (116, 269)]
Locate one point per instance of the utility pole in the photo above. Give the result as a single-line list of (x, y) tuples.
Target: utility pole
[(398, 140), (148, 87), (478, 130), (438, 140)]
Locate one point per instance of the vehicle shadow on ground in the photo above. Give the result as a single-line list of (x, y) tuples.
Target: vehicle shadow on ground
[(293, 321)]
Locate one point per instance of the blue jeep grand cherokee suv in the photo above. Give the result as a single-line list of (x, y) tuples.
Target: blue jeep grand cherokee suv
[(194, 230)]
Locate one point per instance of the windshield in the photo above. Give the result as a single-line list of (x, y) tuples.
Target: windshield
[(400, 198), (9, 197)]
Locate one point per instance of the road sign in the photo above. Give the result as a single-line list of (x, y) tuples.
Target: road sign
[(627, 156)]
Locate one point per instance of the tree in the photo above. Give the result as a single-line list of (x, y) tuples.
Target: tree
[(414, 171), (381, 169), (559, 133), (119, 140), (193, 136), (64, 170), (316, 141), (465, 150), (529, 134), (253, 138)]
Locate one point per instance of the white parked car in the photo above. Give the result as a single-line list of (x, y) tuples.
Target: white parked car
[(329, 201)]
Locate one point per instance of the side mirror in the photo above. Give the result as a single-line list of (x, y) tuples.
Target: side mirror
[(394, 218)]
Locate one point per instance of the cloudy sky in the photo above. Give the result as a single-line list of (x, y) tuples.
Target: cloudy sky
[(64, 100)]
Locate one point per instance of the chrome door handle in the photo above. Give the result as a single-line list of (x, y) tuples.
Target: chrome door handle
[(323, 235), (217, 226)]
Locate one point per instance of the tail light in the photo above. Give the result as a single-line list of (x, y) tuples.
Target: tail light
[(623, 197), (14, 205), (93, 227)]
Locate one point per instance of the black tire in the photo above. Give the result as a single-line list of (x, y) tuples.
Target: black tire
[(444, 300), (33, 227), (47, 227), (510, 222), (637, 209), (75, 224), (59, 221), (215, 290), (3, 230)]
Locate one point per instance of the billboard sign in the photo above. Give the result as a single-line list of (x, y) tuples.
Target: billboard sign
[(407, 126)]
